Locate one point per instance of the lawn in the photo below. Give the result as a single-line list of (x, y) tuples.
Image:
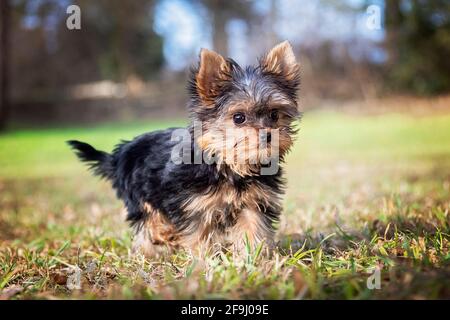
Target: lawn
[(367, 196)]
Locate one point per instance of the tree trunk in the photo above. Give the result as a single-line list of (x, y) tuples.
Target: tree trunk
[(220, 19), (4, 73), (394, 20), (272, 34)]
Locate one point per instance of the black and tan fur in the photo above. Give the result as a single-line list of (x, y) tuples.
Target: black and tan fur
[(195, 205)]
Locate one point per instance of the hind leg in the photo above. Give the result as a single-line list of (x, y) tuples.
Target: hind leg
[(156, 235), (143, 243)]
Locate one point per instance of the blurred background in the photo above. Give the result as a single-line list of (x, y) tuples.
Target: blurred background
[(370, 167), (130, 58)]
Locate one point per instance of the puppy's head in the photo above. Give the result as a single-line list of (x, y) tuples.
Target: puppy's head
[(246, 114)]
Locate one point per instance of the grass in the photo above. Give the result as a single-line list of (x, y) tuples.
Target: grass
[(363, 192)]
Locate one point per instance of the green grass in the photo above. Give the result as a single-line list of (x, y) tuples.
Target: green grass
[(363, 192)]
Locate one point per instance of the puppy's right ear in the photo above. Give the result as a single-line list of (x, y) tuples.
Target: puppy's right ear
[(280, 61), (213, 72)]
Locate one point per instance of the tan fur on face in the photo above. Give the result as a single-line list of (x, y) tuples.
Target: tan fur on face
[(239, 148), (235, 147)]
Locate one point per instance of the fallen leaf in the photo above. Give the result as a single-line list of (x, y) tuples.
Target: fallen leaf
[(10, 292), (59, 278)]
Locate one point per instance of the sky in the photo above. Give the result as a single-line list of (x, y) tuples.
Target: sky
[(182, 25), (185, 27)]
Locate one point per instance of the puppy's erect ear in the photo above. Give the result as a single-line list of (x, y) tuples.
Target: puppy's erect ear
[(280, 61), (212, 73)]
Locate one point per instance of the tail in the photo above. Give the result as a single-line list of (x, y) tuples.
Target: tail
[(99, 161)]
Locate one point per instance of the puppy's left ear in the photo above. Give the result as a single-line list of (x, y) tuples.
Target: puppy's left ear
[(280, 61)]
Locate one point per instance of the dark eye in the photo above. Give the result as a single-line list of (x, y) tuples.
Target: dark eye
[(239, 118), (274, 115)]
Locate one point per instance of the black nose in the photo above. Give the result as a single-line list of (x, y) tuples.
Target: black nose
[(269, 137)]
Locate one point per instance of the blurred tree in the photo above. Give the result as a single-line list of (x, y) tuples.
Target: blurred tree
[(116, 41), (4, 62), (418, 43), (121, 36), (221, 12)]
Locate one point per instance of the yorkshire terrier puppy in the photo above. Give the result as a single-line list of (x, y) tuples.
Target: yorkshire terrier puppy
[(216, 181)]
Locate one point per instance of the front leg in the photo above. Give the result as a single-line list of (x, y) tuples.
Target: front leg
[(256, 225)]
